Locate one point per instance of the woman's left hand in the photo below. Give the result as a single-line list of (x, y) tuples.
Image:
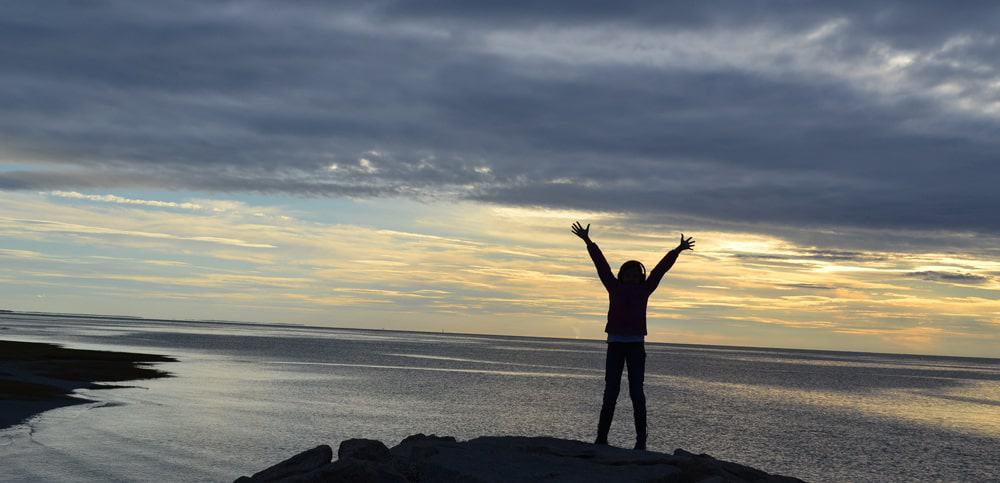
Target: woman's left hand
[(687, 244)]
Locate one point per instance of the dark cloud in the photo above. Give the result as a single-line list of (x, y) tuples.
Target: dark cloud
[(844, 255), (815, 254), (952, 277), (809, 286), (866, 115)]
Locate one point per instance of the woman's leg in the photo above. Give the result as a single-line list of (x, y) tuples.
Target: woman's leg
[(613, 366), (635, 357)]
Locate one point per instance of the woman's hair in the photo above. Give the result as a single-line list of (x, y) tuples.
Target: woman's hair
[(633, 265)]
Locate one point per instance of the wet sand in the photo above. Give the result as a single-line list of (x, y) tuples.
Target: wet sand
[(36, 377)]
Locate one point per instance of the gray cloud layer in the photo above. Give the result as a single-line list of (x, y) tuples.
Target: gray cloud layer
[(853, 114)]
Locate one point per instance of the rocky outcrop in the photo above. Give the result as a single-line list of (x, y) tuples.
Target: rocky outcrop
[(297, 465), (421, 458)]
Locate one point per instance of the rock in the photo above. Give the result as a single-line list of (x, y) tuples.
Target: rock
[(351, 470), (496, 459), (363, 449), (422, 458), (299, 464), (424, 445)]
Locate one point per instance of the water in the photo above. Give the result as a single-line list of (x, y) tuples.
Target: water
[(245, 396)]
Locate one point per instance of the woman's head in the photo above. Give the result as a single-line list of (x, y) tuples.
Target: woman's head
[(632, 272)]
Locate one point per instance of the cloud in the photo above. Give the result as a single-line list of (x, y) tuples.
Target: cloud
[(810, 286), (11, 253), (951, 277), (127, 201), (877, 115), (10, 225)]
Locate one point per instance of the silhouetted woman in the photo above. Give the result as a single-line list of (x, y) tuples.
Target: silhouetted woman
[(626, 329)]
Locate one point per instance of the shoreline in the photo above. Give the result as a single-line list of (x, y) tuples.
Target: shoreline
[(36, 377)]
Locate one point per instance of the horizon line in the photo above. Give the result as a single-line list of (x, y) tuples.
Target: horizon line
[(479, 334)]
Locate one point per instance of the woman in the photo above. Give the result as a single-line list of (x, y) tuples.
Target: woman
[(626, 329)]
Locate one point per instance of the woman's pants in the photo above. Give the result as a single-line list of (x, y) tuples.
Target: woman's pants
[(621, 354)]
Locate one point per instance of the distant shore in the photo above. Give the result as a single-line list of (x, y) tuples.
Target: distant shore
[(36, 377)]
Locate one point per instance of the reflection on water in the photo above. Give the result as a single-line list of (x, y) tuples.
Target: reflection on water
[(247, 395), (444, 369), (480, 361)]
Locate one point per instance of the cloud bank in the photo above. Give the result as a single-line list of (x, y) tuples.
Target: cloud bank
[(868, 115)]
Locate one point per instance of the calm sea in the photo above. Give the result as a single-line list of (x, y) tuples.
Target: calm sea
[(248, 395)]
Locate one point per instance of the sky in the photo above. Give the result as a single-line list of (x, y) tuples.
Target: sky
[(417, 165)]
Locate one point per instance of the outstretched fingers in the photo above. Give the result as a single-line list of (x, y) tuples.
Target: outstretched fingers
[(686, 243)]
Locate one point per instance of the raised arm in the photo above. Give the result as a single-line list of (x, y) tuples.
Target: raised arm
[(603, 269), (657, 273)]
